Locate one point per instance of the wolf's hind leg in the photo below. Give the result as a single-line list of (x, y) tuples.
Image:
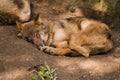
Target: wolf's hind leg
[(78, 48)]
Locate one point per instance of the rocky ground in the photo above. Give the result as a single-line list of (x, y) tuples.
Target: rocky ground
[(17, 56)]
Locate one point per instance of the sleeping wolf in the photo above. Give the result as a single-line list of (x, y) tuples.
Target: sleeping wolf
[(75, 36)]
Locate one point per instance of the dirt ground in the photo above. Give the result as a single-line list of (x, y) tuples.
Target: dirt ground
[(17, 55)]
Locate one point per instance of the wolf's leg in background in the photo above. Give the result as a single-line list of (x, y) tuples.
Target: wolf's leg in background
[(78, 48)]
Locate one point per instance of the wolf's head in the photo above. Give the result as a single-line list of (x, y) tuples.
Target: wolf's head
[(33, 31)]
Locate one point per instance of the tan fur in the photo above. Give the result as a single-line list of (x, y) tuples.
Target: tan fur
[(11, 10), (77, 36)]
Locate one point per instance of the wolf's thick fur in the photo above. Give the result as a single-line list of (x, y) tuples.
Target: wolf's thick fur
[(78, 36), (11, 10)]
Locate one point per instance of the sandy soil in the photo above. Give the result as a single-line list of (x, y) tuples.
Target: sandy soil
[(17, 56)]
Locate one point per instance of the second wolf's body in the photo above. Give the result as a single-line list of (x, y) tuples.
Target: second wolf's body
[(11, 10)]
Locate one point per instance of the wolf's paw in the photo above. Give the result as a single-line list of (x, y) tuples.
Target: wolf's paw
[(46, 49), (85, 52), (41, 48)]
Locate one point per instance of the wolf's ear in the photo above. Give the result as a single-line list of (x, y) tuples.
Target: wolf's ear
[(38, 19), (19, 25)]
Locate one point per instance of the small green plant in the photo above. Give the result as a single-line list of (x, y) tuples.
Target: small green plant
[(45, 73)]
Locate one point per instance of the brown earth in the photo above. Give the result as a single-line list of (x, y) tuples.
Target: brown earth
[(17, 55)]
